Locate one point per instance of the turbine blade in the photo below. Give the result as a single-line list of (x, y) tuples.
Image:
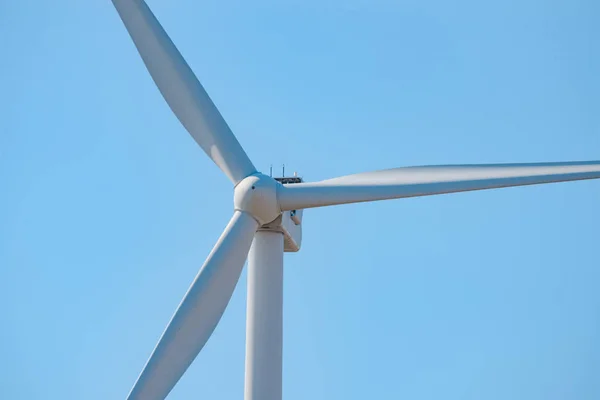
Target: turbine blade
[(199, 311), (182, 90), (429, 180)]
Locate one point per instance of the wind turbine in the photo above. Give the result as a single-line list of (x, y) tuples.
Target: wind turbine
[(267, 220)]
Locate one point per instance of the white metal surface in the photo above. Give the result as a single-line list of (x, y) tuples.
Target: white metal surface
[(199, 311), (257, 195), (182, 91), (290, 222), (292, 233), (264, 317), (291, 226), (424, 181)]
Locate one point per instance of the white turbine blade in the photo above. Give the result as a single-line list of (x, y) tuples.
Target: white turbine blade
[(199, 311), (429, 180), (182, 91)]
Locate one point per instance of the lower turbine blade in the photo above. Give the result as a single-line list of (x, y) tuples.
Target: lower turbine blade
[(199, 311)]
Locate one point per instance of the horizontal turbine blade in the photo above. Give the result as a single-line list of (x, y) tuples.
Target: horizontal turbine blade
[(199, 311), (182, 91), (429, 180)]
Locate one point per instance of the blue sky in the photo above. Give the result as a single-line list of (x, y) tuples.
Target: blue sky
[(108, 207)]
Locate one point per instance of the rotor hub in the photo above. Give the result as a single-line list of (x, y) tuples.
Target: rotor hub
[(257, 195)]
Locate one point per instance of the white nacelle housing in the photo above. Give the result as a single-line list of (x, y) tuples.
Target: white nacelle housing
[(291, 226), (289, 222)]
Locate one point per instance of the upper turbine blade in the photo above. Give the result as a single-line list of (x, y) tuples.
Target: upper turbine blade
[(182, 91), (199, 312), (424, 181)]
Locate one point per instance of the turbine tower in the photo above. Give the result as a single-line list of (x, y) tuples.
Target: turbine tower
[(267, 220)]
